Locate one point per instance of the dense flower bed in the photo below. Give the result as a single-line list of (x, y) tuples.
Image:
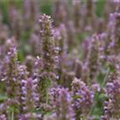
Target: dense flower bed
[(59, 60)]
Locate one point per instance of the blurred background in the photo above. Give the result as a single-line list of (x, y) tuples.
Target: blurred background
[(20, 18), (82, 27)]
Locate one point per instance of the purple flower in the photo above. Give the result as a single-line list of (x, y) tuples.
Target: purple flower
[(29, 95), (92, 61), (63, 106), (3, 117), (82, 98)]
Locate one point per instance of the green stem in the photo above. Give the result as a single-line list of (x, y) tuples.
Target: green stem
[(12, 117)]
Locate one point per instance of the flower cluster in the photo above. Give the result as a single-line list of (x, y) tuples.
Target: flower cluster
[(59, 60), (82, 98)]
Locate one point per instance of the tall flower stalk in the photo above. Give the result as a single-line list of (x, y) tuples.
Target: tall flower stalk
[(49, 56), (92, 61)]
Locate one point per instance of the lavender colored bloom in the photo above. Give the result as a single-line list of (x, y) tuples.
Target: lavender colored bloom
[(49, 55), (63, 106), (116, 1), (11, 70), (92, 61), (3, 117), (48, 45), (95, 87), (82, 98), (51, 117), (52, 76), (60, 101), (115, 29), (29, 95), (103, 47), (104, 117), (22, 75), (112, 107), (54, 93), (30, 116)]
